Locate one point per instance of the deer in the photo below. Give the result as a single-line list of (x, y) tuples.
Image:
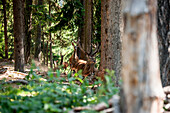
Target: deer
[(63, 64), (73, 60), (87, 66)]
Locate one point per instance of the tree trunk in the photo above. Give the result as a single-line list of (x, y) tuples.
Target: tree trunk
[(51, 54), (111, 36), (19, 35), (163, 15), (81, 31), (5, 29), (140, 62), (38, 42), (85, 30), (38, 38), (28, 25), (43, 46), (47, 53), (88, 26)]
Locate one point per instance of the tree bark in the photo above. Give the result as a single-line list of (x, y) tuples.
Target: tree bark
[(38, 38), (111, 36), (28, 25), (140, 62), (163, 18), (47, 53), (43, 46), (51, 54), (5, 29), (81, 31), (19, 35), (85, 30), (88, 26)]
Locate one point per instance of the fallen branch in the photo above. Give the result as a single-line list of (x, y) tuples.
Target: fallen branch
[(109, 110), (18, 73), (113, 106), (16, 81), (99, 107)]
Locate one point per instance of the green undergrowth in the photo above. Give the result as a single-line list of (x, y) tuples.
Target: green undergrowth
[(55, 94)]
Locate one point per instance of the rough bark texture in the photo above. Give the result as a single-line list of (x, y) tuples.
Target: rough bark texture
[(18, 10), (140, 62), (5, 29), (111, 36), (38, 38), (28, 25), (85, 31), (88, 26), (163, 15)]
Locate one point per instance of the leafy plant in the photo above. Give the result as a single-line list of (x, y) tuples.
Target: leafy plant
[(57, 94)]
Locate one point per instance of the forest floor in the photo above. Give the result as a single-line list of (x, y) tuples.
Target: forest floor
[(7, 70), (7, 73)]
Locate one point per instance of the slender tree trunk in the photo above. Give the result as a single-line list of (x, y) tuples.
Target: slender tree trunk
[(81, 31), (47, 53), (111, 36), (163, 15), (38, 42), (38, 38), (19, 35), (51, 54), (43, 46), (5, 29), (88, 26), (28, 25), (140, 62)]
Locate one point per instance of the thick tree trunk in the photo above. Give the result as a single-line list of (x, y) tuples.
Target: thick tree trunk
[(28, 23), (18, 10), (111, 36), (5, 29), (38, 38), (163, 15), (140, 62)]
